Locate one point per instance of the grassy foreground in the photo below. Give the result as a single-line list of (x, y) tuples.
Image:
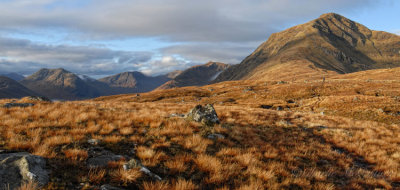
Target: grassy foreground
[(331, 134)]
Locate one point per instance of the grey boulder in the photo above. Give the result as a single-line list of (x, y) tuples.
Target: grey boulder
[(22, 167), (204, 114)]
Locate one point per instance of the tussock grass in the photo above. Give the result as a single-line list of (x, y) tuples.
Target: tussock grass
[(353, 144)]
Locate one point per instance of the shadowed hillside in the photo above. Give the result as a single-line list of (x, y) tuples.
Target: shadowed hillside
[(196, 76), (12, 89)]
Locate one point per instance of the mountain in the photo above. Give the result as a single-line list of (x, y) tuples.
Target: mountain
[(196, 76), (10, 88), (327, 45), (133, 82), (60, 84), (14, 76)]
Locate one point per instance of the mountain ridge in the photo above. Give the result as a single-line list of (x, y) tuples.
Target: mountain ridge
[(197, 75), (328, 44)]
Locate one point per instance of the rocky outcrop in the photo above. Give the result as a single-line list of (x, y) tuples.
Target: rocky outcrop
[(39, 98), (21, 105), (204, 114), (22, 167)]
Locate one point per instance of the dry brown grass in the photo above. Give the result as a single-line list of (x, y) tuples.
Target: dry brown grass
[(76, 154), (352, 145), (127, 176)]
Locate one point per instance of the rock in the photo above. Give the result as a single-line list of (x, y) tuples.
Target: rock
[(102, 161), (215, 136), (98, 157), (266, 106), (22, 167), (177, 115), (133, 163), (21, 105), (290, 101), (94, 141), (109, 187), (204, 114), (39, 98)]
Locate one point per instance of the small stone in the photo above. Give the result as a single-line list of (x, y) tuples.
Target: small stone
[(177, 115), (94, 141), (215, 136)]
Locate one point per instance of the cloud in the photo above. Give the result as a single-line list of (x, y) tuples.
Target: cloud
[(164, 65), (26, 57), (198, 31), (173, 20), (231, 53)]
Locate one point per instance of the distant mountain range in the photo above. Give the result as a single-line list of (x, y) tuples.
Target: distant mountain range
[(331, 44), (65, 85)]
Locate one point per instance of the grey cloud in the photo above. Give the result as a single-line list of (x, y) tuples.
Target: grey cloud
[(231, 53), (164, 65), (26, 57), (174, 20)]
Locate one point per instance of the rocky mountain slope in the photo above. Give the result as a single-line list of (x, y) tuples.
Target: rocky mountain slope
[(59, 84), (196, 76), (10, 88), (133, 82), (327, 45)]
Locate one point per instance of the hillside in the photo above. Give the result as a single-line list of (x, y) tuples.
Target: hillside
[(133, 82), (10, 88), (59, 84), (322, 47), (337, 133), (196, 76)]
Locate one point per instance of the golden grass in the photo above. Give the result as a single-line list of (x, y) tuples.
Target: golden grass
[(127, 176), (76, 154), (352, 145)]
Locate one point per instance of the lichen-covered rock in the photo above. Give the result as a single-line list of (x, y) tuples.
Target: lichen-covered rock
[(22, 167), (204, 114)]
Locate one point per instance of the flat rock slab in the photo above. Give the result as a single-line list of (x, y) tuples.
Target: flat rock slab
[(22, 167)]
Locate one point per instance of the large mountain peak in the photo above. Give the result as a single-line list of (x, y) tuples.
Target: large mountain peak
[(330, 43)]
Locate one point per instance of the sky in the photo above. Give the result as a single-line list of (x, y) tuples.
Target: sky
[(103, 37)]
